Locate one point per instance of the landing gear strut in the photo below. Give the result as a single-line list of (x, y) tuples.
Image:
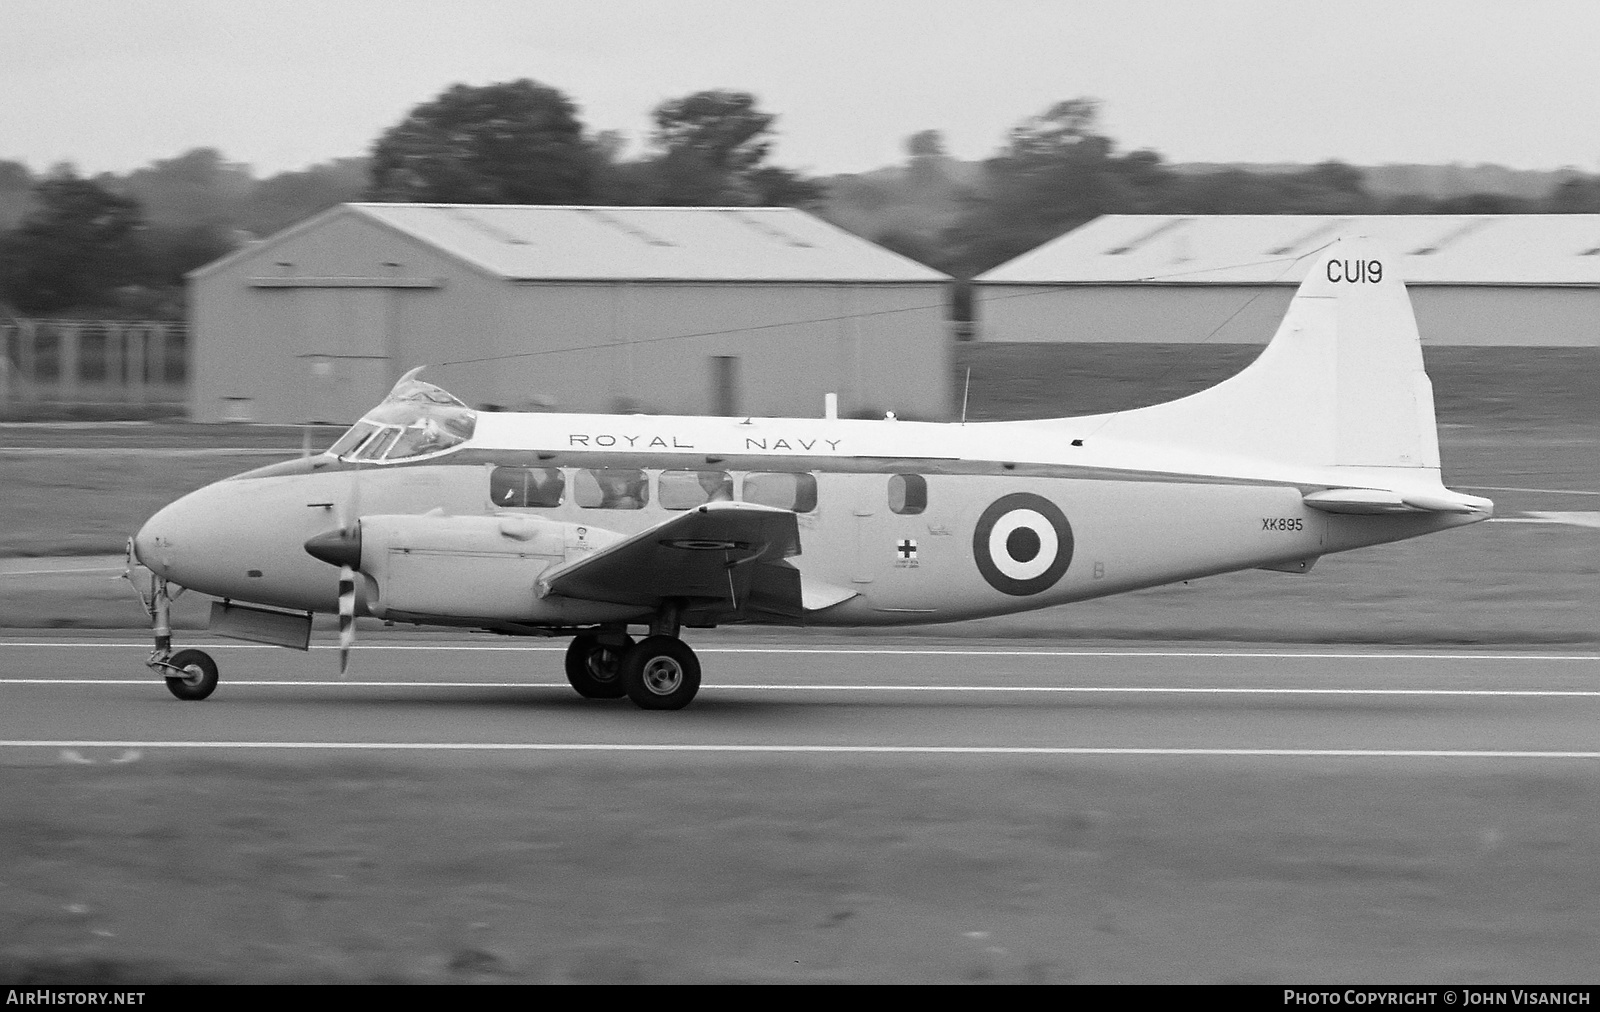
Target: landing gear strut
[(190, 674)]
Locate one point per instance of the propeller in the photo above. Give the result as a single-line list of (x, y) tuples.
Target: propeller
[(347, 615), (350, 531), (342, 547)]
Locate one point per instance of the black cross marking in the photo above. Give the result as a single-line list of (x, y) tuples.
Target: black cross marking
[(907, 549)]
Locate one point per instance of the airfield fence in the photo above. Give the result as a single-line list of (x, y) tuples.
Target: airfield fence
[(54, 364)]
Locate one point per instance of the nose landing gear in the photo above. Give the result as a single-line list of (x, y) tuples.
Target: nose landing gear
[(190, 674)]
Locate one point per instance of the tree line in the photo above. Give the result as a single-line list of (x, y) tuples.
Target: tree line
[(120, 245)]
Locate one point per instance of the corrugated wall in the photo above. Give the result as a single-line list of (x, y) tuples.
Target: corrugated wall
[(1447, 315), (310, 328), (650, 347)]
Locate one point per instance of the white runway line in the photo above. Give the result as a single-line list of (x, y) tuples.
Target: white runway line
[(1566, 518), (842, 651), (757, 687), (996, 750), (1543, 491)]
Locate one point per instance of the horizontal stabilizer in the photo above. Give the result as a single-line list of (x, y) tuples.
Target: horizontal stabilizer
[(1382, 500)]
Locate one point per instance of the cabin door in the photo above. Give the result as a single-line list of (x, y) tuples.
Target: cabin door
[(868, 506)]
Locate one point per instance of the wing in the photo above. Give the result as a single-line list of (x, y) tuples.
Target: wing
[(723, 561)]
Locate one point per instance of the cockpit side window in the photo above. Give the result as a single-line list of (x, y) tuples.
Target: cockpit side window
[(377, 446), (421, 436), (355, 437)]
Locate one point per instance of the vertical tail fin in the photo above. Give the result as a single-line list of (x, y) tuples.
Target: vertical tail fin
[(1342, 381)]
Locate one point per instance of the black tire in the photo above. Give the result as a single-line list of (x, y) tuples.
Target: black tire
[(199, 678), (595, 669), (661, 673)]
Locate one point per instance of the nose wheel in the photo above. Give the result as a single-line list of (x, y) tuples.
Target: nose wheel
[(196, 676), (190, 674)]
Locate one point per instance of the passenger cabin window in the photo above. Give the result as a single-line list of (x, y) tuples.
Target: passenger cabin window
[(908, 493), (684, 490), (784, 489), (516, 487), (611, 488)]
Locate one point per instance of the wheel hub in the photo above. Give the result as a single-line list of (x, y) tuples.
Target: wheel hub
[(663, 675), (604, 664)]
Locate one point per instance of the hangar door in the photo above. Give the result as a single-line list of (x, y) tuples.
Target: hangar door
[(341, 332)]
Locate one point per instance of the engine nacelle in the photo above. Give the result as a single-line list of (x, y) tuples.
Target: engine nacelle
[(475, 567)]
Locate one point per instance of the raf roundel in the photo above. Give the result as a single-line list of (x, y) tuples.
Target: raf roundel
[(1022, 544)]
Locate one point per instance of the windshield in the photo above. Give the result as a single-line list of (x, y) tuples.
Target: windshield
[(416, 418)]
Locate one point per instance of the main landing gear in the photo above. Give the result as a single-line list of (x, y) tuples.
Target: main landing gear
[(659, 672), (190, 675)]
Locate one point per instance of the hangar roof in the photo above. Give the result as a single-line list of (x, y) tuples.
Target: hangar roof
[(520, 242), (1254, 249)]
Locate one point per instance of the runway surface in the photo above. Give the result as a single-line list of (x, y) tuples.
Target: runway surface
[(78, 698)]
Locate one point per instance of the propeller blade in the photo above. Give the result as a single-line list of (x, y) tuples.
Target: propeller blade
[(347, 615)]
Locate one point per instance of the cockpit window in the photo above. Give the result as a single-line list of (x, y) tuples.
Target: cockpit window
[(416, 419), (355, 437), (378, 445)]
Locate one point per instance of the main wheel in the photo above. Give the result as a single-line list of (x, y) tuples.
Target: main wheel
[(594, 669), (661, 673), (199, 678)]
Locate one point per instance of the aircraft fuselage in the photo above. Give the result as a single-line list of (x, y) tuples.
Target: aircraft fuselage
[(1063, 535)]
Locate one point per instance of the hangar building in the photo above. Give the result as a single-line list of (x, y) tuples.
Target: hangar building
[(1517, 280), (664, 309)]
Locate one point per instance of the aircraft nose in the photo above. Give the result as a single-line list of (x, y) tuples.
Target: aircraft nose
[(154, 545)]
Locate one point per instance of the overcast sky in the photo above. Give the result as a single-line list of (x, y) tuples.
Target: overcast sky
[(281, 84)]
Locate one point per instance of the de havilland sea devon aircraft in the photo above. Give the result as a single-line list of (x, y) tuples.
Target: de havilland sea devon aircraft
[(590, 526)]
